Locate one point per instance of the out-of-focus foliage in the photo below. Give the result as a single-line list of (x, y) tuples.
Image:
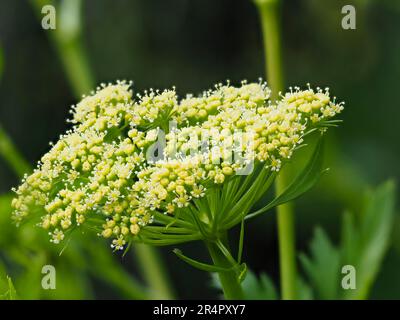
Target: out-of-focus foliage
[(255, 287), (25, 250), (259, 288), (365, 239), (323, 270), (7, 290)]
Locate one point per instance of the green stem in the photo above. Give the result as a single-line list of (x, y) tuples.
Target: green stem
[(269, 11), (286, 234), (154, 272), (76, 66), (67, 41), (229, 279)]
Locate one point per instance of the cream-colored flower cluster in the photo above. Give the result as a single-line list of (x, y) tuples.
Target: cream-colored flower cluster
[(100, 170)]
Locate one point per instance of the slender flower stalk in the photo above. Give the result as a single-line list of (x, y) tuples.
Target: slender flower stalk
[(230, 281), (269, 11)]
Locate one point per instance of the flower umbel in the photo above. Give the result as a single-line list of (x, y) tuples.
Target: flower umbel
[(100, 175)]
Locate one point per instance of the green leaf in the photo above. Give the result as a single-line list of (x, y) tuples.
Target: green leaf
[(322, 268), (301, 184), (10, 293), (304, 291), (364, 247), (254, 288), (259, 288), (199, 265)]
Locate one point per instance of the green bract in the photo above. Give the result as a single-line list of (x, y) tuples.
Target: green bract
[(158, 170)]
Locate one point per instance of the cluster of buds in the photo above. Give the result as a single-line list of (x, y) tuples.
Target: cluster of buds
[(132, 167)]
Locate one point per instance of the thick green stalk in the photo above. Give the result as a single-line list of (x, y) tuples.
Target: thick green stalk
[(154, 272), (269, 11), (287, 250), (67, 40), (229, 279)]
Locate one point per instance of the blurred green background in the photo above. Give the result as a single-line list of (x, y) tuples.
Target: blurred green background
[(192, 44)]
